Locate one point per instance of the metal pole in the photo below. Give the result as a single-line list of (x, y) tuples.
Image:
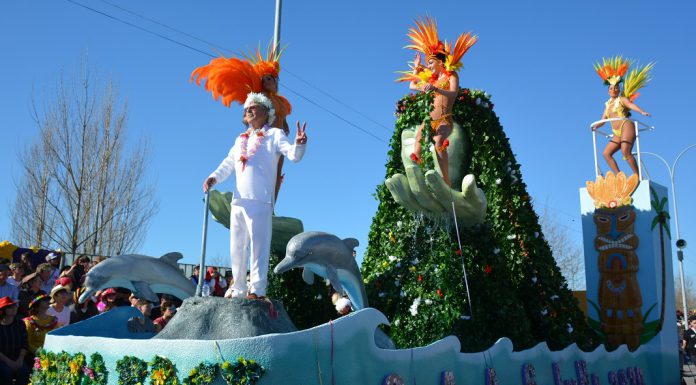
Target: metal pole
[(201, 265), (276, 30), (635, 127), (594, 147)]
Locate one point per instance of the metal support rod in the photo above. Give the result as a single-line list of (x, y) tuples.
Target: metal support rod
[(276, 29), (201, 265), (635, 127), (594, 147)]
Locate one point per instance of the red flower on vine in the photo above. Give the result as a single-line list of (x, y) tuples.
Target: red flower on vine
[(439, 292), (459, 252), (488, 269), (420, 278)]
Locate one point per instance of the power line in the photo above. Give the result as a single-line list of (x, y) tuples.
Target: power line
[(211, 55)]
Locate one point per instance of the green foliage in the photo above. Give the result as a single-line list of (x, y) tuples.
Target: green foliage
[(242, 372), (412, 269), (203, 374), (163, 371), (59, 368), (131, 370), (307, 305), (97, 372)]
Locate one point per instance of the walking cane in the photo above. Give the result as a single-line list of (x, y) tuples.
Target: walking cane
[(199, 287)]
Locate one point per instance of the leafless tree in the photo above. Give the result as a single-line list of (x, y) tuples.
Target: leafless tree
[(690, 295), (566, 252), (83, 189)]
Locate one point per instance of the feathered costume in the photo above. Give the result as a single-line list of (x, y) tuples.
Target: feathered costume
[(613, 71), (231, 79), (424, 39)]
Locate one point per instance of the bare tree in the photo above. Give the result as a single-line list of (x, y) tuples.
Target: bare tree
[(690, 295), (566, 252), (82, 189)]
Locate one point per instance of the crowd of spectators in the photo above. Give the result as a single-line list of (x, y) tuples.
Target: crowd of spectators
[(37, 299)]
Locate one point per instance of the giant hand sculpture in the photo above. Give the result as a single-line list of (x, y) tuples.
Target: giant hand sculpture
[(429, 193)]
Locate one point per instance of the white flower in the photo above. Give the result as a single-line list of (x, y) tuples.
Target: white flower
[(511, 236), (398, 264), (428, 301), (464, 317), (496, 251), (382, 294), (398, 223), (392, 258), (415, 261), (397, 282), (397, 322), (498, 181), (414, 306), (402, 294), (318, 296), (544, 312), (478, 101), (554, 297), (437, 269), (534, 279), (569, 327)]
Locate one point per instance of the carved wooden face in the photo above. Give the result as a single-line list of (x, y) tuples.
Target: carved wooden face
[(615, 231)]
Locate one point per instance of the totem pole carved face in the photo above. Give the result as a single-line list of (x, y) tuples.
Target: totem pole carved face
[(615, 230)]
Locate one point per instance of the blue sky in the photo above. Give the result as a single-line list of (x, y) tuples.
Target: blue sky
[(535, 58)]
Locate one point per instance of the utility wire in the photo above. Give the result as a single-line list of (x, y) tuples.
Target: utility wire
[(218, 46)]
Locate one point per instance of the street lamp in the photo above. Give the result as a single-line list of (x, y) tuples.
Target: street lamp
[(681, 244)]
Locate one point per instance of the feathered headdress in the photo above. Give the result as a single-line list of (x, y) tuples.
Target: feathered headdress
[(424, 38), (232, 78), (612, 70)]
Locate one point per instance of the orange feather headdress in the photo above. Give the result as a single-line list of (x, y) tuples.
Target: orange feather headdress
[(424, 38), (612, 70), (231, 79)]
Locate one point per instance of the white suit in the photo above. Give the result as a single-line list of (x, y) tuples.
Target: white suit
[(252, 205)]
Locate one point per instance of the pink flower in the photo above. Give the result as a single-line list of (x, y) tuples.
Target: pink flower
[(37, 363)]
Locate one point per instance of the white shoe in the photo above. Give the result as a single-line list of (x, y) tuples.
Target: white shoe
[(231, 293)]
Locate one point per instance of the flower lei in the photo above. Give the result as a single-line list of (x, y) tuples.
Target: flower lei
[(163, 372), (203, 374), (242, 372), (131, 370), (249, 152)]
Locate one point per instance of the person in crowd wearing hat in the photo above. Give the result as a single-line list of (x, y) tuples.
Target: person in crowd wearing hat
[(53, 259), (216, 283), (253, 159), (82, 311), (142, 324), (7, 289), (17, 273), (60, 296), (39, 322), (45, 271), (112, 298), (30, 289), (14, 345), (168, 312)]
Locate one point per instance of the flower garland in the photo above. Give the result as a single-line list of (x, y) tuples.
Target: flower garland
[(246, 152), (96, 371), (131, 370), (59, 368), (163, 372), (203, 374), (242, 372)]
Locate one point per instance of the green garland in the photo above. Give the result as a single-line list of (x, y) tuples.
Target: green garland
[(59, 368), (203, 374), (163, 372), (131, 371), (96, 371), (242, 372)]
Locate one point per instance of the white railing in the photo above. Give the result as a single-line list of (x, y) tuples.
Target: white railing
[(636, 124)]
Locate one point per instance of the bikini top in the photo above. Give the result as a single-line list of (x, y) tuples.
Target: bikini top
[(615, 105)]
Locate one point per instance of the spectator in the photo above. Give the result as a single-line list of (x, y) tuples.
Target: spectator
[(142, 324), (60, 295), (169, 312), (82, 311), (133, 300), (194, 276), (53, 260), (111, 298), (45, 271), (17, 271), (158, 310), (13, 345), (25, 260), (215, 282), (39, 323), (31, 288), (7, 289)]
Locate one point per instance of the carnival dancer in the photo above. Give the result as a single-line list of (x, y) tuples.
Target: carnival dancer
[(443, 60), (253, 159), (613, 71), (233, 78)]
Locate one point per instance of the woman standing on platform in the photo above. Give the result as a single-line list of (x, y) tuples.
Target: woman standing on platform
[(612, 71)]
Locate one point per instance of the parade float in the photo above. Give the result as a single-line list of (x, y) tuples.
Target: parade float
[(458, 286)]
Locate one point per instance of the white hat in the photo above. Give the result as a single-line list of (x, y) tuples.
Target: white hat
[(342, 303), (52, 256), (259, 98)]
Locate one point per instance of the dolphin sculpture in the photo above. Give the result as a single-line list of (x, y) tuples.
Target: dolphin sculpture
[(143, 275), (329, 257)]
